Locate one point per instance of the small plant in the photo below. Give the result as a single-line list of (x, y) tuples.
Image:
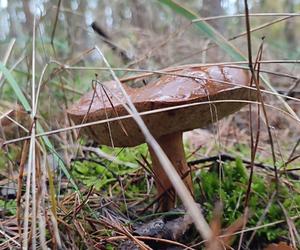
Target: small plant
[(100, 173), (8, 208), (228, 184)]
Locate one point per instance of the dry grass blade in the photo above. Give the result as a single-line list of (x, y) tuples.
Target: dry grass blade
[(215, 36), (11, 117), (31, 181), (261, 27), (88, 111), (294, 235), (175, 179), (33, 201), (243, 15), (101, 154), (271, 224), (24, 156), (115, 111), (52, 132), (261, 219), (7, 54), (7, 242), (41, 200), (254, 79), (169, 71), (170, 242), (113, 224), (31, 164)]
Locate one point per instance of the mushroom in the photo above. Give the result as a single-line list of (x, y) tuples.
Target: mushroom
[(200, 91)]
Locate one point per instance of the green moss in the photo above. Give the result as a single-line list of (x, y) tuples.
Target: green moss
[(231, 190)]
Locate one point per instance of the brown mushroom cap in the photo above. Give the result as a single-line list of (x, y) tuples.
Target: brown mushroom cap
[(202, 84)]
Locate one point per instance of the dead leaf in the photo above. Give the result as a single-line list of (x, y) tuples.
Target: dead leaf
[(279, 246), (223, 241)]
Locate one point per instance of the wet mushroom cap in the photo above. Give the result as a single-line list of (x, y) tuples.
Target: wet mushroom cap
[(202, 84)]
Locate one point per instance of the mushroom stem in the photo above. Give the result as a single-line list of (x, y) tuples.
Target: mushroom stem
[(173, 147)]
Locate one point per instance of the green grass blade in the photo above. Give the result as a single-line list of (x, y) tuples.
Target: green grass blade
[(22, 99), (215, 36), (207, 29), (56, 157), (14, 85)]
